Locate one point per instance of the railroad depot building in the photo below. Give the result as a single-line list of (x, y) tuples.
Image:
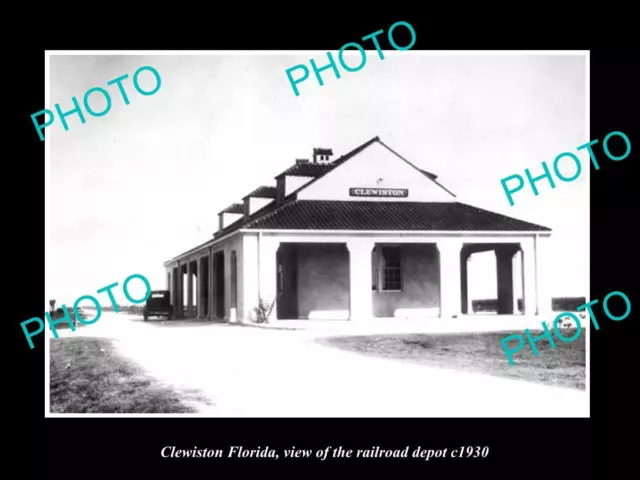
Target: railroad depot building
[(366, 235)]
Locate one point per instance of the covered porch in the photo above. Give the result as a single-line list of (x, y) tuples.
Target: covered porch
[(392, 276)]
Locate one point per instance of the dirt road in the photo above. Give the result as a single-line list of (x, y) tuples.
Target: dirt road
[(255, 372)]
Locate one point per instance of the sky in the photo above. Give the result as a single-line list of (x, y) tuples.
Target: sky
[(143, 183)]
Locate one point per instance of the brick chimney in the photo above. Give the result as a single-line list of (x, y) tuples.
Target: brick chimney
[(322, 155)]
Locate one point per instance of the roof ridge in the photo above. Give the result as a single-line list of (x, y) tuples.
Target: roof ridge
[(257, 189), (339, 161), (233, 206), (291, 171), (419, 169), (355, 151)]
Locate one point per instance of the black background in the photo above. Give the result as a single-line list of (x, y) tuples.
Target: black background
[(555, 448)]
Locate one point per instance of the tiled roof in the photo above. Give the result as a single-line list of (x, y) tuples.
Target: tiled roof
[(234, 208), (241, 221), (340, 215), (307, 170), (318, 170), (263, 192), (382, 216)]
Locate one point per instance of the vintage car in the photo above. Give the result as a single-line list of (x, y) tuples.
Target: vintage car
[(158, 305)]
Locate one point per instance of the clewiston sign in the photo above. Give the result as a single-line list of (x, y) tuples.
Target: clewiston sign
[(378, 192)]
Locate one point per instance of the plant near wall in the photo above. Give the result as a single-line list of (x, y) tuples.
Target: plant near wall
[(263, 310)]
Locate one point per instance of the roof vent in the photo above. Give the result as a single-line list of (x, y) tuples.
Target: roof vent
[(300, 161)]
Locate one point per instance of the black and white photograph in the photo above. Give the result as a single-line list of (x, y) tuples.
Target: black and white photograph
[(338, 246)]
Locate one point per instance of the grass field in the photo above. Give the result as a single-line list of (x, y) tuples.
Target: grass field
[(480, 352), (88, 376)]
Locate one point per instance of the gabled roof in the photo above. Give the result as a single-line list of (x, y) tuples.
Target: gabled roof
[(307, 170), (234, 208), (353, 153), (263, 192), (365, 215), (241, 221), (387, 216), (317, 171)]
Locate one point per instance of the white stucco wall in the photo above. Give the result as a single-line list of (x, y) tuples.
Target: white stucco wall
[(234, 243), (323, 281), (293, 183), (228, 218), (324, 284), (248, 277), (420, 295), (256, 204), (364, 170)]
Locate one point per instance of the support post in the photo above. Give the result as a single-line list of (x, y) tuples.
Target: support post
[(529, 276), (249, 277), (544, 273), (450, 275), (189, 289), (360, 295), (268, 249), (464, 281), (199, 288), (517, 279), (212, 287), (180, 292)]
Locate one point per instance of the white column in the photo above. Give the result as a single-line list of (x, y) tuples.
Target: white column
[(248, 264), (227, 283), (174, 293), (544, 273), (464, 283), (517, 280), (268, 247), (469, 283), (211, 289), (170, 284), (450, 291), (179, 292), (360, 295), (189, 289), (199, 280), (529, 275)]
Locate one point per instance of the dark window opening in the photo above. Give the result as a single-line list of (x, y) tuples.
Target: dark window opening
[(392, 269)]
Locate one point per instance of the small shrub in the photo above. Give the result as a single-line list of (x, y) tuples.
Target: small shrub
[(263, 310)]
